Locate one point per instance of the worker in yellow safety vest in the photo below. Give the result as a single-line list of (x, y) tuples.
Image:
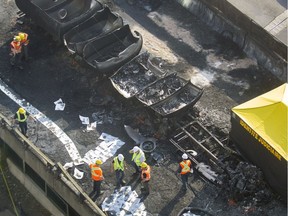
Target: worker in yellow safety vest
[(21, 117), (138, 158), (118, 166), (185, 167), (24, 43), (145, 178), (97, 177)]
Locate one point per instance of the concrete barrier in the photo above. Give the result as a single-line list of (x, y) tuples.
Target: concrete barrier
[(38, 173)]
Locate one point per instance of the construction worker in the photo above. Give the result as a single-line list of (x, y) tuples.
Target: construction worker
[(21, 117), (97, 177), (138, 157), (24, 43), (185, 167), (145, 178), (16, 52), (118, 166)]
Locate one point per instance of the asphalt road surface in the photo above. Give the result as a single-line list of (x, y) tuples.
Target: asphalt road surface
[(184, 44)]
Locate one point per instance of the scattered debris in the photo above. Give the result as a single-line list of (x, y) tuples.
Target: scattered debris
[(59, 105), (91, 126), (78, 174), (105, 150), (84, 120), (124, 202)]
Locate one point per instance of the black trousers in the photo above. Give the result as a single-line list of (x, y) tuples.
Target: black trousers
[(96, 190), (184, 179), (119, 177), (146, 189), (23, 127)]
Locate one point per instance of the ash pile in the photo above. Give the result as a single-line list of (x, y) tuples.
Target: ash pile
[(246, 185)]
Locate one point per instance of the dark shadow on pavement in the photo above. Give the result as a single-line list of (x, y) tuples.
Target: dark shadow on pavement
[(134, 181), (170, 205)]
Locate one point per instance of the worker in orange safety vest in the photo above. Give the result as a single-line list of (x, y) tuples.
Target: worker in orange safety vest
[(97, 177), (185, 167), (145, 178), (16, 52), (24, 43)]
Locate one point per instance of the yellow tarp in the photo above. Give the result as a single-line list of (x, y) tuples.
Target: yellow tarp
[(267, 116)]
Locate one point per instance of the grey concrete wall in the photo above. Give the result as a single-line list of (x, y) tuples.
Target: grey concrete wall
[(224, 18), (33, 189), (48, 171)]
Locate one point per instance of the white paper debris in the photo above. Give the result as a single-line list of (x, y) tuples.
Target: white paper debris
[(78, 174), (124, 202), (107, 137), (58, 132), (78, 161), (84, 120), (68, 165), (91, 126), (105, 150), (59, 105)]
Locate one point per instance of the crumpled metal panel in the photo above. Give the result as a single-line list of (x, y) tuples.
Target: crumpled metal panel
[(107, 54)]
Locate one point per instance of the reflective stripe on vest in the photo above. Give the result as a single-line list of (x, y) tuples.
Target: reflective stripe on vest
[(136, 158), (185, 165), (96, 172), (147, 172), (118, 165), (18, 117), (16, 46)]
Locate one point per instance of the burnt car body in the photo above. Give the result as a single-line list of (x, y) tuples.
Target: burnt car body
[(58, 16), (107, 54), (181, 100), (101, 23), (161, 89), (135, 76)]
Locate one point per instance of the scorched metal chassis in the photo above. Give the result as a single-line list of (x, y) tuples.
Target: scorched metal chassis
[(205, 150)]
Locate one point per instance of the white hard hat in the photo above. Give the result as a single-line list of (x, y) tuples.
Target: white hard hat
[(135, 149), (184, 156), (120, 157)]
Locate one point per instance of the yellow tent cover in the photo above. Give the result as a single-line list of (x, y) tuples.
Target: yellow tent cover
[(267, 116)]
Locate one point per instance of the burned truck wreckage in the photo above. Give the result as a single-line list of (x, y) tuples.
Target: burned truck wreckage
[(99, 36)]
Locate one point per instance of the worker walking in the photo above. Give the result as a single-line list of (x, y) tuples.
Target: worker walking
[(185, 167), (97, 177), (138, 158), (21, 117), (16, 52), (24, 43), (145, 178), (118, 166)]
